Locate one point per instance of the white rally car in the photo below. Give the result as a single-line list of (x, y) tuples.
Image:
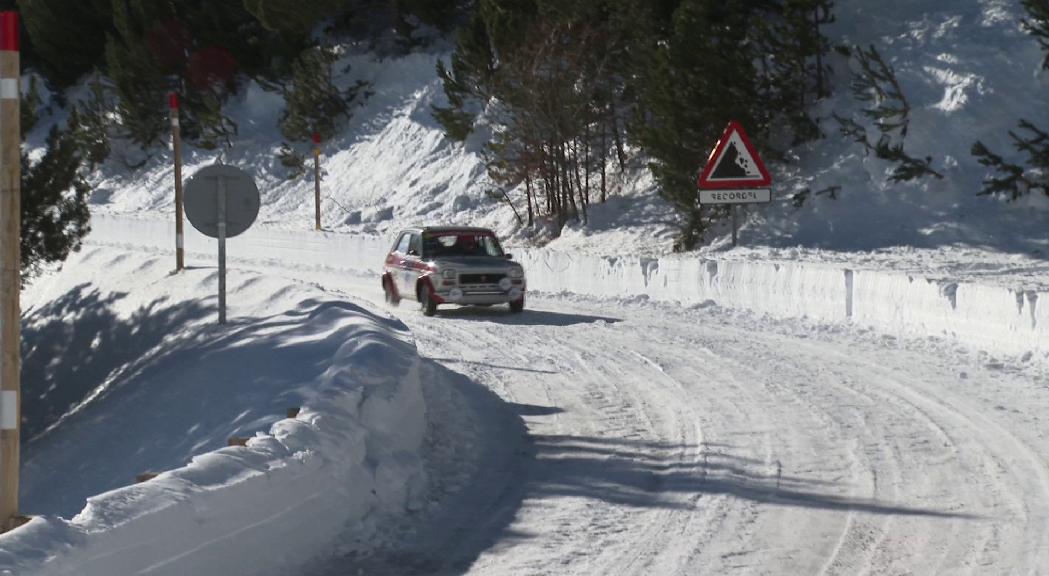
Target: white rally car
[(452, 265)]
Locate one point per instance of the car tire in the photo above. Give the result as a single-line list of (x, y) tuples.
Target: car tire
[(517, 306), (426, 303), (391, 297)]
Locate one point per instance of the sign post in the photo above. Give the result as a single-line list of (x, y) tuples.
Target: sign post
[(220, 207), (176, 141), (10, 270), (734, 174), (317, 180), (221, 202)]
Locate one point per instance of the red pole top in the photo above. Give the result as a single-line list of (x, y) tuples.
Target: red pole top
[(316, 137), (9, 31), (172, 100)]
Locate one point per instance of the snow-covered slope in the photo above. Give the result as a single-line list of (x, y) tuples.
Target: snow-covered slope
[(126, 373), (967, 69), (969, 72)]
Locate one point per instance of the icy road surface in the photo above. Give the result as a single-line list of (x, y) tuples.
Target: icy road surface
[(646, 439)]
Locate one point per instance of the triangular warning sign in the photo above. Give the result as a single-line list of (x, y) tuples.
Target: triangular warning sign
[(734, 163)]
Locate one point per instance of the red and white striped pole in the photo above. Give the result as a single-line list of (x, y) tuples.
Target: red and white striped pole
[(317, 180), (10, 269), (176, 141)]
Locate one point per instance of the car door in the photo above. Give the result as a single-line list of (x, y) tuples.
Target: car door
[(399, 266), (412, 264)]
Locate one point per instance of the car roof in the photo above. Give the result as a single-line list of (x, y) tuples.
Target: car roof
[(441, 229)]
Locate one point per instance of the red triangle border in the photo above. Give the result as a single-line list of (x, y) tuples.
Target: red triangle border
[(704, 178)]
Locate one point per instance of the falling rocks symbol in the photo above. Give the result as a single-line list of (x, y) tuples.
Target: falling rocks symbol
[(731, 165)]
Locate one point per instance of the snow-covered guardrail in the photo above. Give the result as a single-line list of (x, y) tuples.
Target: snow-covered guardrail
[(987, 317)]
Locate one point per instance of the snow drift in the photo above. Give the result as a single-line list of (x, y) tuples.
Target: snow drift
[(352, 455)]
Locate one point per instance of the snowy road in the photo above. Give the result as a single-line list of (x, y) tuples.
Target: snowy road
[(634, 438), (663, 441)]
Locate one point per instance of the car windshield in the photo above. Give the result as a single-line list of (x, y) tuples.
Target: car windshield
[(436, 245)]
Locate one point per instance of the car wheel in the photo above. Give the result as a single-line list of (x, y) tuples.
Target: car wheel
[(517, 305), (391, 297), (429, 307)]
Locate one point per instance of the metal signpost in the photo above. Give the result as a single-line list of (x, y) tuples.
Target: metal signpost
[(221, 202), (734, 174)]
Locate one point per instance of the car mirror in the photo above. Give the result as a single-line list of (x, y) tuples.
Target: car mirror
[(508, 256), (413, 252)]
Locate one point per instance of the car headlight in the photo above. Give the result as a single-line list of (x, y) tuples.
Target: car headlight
[(517, 272), (448, 274)]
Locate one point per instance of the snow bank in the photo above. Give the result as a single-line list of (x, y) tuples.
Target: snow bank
[(352, 455), (989, 317)]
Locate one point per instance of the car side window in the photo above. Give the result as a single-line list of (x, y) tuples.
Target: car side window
[(402, 245), (416, 245)]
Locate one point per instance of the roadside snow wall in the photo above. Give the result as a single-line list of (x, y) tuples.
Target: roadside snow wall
[(986, 317), (991, 318), (266, 508)]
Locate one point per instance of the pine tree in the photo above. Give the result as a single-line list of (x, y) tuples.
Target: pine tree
[(708, 63), (136, 74), (28, 107), (1038, 24), (294, 17), (314, 103), (1015, 180), (68, 36), (875, 83), (55, 216), (793, 52), (466, 82), (90, 125), (439, 13)]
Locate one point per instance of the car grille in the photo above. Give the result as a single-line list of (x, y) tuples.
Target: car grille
[(481, 278)]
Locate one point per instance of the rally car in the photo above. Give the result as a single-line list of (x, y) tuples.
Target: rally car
[(436, 265)]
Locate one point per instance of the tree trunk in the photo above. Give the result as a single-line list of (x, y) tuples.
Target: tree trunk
[(528, 198), (604, 161), (620, 152)]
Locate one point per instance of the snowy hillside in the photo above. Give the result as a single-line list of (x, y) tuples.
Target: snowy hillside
[(968, 70)]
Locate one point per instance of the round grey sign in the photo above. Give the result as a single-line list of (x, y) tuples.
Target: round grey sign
[(202, 200)]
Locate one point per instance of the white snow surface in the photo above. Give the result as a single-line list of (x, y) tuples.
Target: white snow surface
[(126, 372), (611, 435)]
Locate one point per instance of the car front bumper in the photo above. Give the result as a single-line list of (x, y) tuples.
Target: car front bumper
[(468, 297)]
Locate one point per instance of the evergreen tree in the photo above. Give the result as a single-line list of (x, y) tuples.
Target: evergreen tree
[(793, 51), (28, 107), (697, 81), (466, 82), (314, 103), (875, 83), (90, 125), (1038, 24), (54, 204), (68, 36), (294, 17), (136, 73), (1015, 180), (439, 13)]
